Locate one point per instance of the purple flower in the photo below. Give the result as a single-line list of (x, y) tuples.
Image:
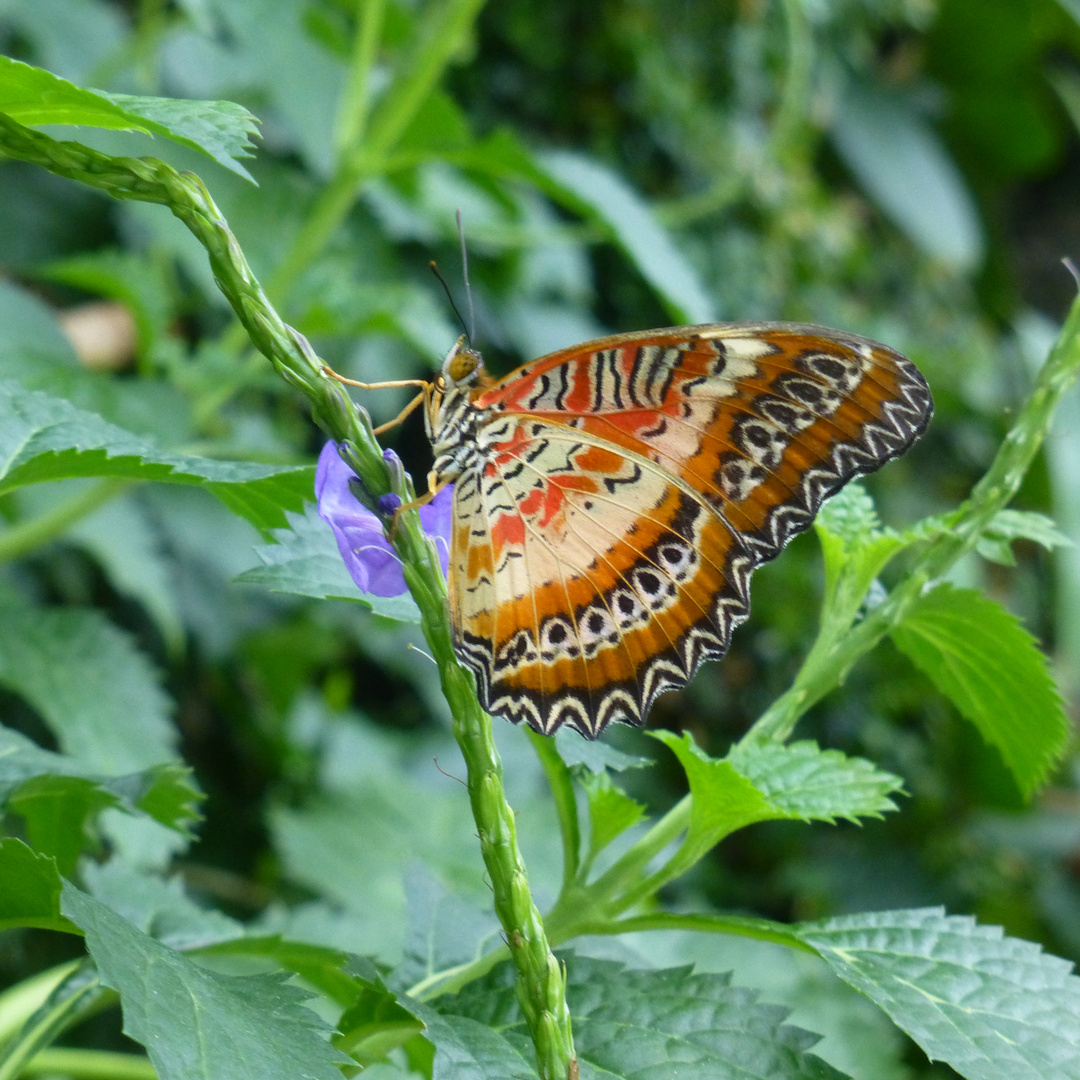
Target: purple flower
[(368, 556)]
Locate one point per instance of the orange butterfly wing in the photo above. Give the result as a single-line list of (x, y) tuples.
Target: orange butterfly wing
[(627, 488)]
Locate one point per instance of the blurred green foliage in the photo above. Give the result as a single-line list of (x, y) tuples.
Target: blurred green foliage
[(899, 168)]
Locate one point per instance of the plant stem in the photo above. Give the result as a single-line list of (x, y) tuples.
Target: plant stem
[(356, 101), (541, 980), (443, 31), (758, 929), (28, 536), (562, 788), (74, 993), (90, 1065)]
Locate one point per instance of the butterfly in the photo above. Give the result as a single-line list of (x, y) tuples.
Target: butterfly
[(612, 500)]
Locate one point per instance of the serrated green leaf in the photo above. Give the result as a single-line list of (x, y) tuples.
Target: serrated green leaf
[(305, 561), (444, 929), (611, 811), (29, 889), (376, 1024), (1011, 525), (97, 693), (220, 129), (158, 907), (640, 1025), (723, 800), (594, 754), (855, 548), (992, 1007), (798, 782), (46, 438), (58, 796), (197, 1024), (648, 244), (348, 849), (57, 812), (468, 1050), (996, 550), (980, 657), (811, 784)]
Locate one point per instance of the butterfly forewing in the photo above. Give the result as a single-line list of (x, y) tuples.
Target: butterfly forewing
[(625, 490)]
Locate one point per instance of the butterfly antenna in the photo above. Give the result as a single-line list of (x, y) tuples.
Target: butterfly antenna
[(471, 330), (449, 295)]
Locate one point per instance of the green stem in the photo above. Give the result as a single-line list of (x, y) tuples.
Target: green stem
[(790, 120), (541, 980), (442, 34), (621, 886), (90, 1065), (758, 929), (75, 991), (19, 1002), (830, 660), (28, 536), (356, 101), (562, 788), (451, 980)]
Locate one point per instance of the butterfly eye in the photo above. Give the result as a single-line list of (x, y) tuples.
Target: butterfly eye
[(462, 365)]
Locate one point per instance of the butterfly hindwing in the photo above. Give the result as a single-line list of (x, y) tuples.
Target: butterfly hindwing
[(625, 490), (604, 576)]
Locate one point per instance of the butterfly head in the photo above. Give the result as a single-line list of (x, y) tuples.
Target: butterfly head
[(451, 418), (462, 369)]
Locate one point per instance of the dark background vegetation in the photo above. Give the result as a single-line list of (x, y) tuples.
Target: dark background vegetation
[(905, 169)]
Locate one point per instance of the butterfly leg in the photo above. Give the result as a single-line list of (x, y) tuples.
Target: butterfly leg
[(388, 385), (414, 504), (423, 396)]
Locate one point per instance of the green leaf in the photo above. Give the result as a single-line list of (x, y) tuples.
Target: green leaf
[(906, 170), (197, 1024), (980, 657), (606, 196), (29, 889), (798, 782), (158, 907), (97, 693), (348, 848), (855, 547), (646, 1024), (468, 1050), (992, 1007), (376, 1021), (444, 929), (58, 797), (46, 438), (995, 543), (305, 561), (723, 800), (31, 335), (220, 129), (1011, 525), (611, 811), (850, 515), (594, 755), (811, 784)]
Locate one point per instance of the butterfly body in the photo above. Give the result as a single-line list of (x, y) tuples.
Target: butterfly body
[(612, 500)]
